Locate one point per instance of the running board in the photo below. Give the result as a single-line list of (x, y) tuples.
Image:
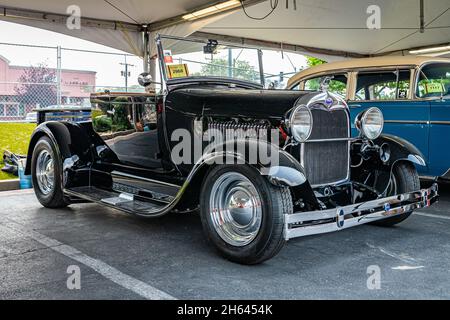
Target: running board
[(120, 201)]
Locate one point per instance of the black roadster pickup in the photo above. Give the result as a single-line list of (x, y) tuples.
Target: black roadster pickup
[(261, 166)]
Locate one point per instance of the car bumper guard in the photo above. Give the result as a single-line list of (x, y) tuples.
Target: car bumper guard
[(302, 224)]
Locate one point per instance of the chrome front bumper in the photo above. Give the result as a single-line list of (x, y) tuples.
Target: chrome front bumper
[(302, 224)]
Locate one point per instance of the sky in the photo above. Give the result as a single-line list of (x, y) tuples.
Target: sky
[(107, 66)]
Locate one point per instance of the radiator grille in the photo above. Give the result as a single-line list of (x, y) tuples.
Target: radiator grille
[(233, 131), (327, 162), (329, 124)]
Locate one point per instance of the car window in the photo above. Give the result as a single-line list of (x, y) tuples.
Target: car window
[(296, 87), (434, 81), (386, 85), (338, 84)]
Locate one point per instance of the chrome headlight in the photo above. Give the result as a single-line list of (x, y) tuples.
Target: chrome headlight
[(301, 123), (370, 123)]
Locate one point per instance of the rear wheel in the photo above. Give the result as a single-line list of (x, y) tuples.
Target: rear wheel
[(404, 179), (47, 174), (243, 214)]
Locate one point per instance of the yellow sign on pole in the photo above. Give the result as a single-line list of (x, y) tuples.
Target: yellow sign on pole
[(178, 71)]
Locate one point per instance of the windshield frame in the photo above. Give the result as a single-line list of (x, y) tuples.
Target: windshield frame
[(163, 66), (419, 72)]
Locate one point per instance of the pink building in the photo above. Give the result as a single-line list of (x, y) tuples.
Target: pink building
[(76, 87)]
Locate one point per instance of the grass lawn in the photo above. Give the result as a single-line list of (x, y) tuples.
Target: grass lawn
[(15, 138)]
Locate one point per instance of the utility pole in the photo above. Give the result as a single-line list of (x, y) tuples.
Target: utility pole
[(58, 76), (126, 73)]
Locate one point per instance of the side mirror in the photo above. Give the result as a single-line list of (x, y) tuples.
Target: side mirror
[(145, 79), (272, 85)]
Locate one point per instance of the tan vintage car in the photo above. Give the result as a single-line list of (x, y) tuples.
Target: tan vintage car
[(413, 92)]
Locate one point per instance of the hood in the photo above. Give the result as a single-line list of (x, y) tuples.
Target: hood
[(242, 103)]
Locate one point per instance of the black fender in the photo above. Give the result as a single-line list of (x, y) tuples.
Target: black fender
[(286, 172), (401, 150), (381, 171), (71, 141), (282, 169)]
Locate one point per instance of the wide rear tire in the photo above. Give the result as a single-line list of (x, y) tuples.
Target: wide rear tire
[(243, 214), (46, 171)]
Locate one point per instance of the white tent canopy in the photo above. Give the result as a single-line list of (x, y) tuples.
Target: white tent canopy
[(326, 28), (341, 25), (117, 24)]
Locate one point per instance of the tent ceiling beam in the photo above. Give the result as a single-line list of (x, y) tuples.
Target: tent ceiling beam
[(276, 45), (62, 19), (155, 26)]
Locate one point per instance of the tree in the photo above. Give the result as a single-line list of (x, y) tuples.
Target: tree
[(219, 68), (311, 61), (335, 86), (38, 86)]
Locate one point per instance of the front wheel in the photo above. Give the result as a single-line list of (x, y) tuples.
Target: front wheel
[(46, 174), (404, 179), (243, 214)]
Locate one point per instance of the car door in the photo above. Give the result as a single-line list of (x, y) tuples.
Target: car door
[(434, 88), (439, 159), (390, 91)]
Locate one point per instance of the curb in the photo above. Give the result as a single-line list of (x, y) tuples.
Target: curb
[(9, 185)]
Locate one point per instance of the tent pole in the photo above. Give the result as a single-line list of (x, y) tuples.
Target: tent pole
[(146, 47), (150, 64), (422, 16)]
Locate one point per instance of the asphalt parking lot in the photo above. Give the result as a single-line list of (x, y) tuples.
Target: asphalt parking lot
[(124, 257)]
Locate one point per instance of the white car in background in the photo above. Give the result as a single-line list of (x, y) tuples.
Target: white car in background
[(31, 117)]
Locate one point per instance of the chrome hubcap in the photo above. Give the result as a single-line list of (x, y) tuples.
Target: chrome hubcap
[(45, 175), (235, 208)]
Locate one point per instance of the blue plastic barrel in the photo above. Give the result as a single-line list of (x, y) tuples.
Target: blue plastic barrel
[(25, 181)]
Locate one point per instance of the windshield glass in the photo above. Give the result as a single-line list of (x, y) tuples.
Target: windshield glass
[(434, 81), (196, 58)]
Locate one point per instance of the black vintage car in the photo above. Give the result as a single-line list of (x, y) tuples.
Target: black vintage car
[(262, 166)]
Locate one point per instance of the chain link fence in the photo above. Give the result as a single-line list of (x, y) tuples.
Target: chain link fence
[(34, 77)]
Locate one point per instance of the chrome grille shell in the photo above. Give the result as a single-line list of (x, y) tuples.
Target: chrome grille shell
[(326, 154)]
